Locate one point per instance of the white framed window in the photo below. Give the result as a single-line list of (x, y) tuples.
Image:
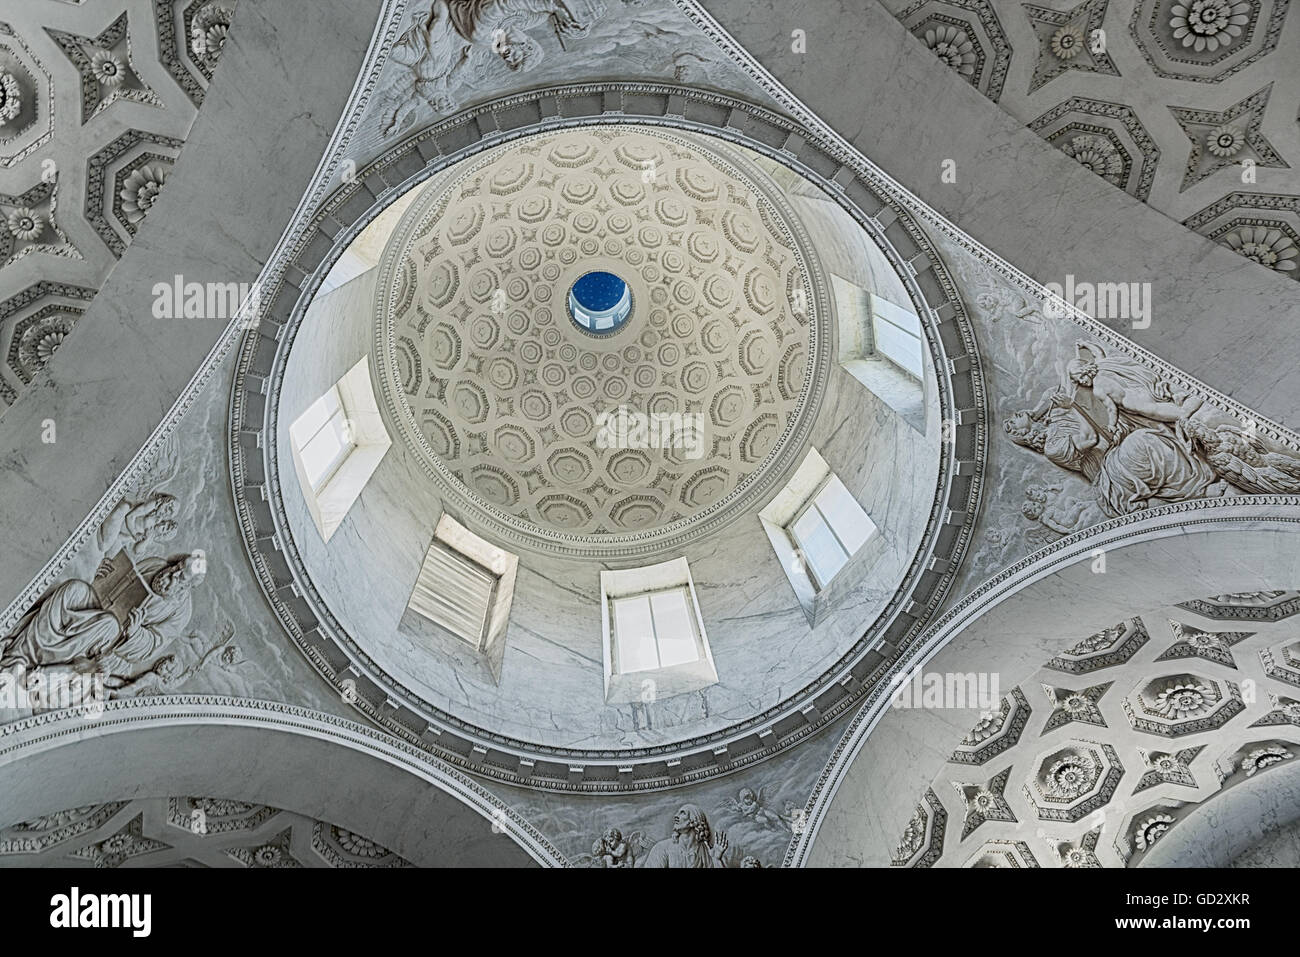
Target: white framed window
[(816, 528), (328, 438), (462, 597), (881, 345), (338, 442), (829, 530), (896, 335), (654, 630), (655, 645)]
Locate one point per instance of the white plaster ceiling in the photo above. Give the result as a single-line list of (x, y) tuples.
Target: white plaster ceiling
[(499, 393)]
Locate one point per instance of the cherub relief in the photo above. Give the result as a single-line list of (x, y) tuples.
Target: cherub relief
[(449, 40), (146, 517), (611, 850), (749, 805), (1058, 513), (138, 525)]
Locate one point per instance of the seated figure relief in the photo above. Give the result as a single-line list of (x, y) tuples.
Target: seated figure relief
[(111, 625), (1142, 442)]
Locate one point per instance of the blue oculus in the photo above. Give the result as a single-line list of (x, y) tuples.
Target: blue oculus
[(600, 302)]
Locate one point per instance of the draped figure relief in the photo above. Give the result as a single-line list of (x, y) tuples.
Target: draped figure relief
[(1140, 441)]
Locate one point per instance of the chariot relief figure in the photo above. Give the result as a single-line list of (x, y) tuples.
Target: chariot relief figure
[(127, 613), (692, 843), (445, 46)]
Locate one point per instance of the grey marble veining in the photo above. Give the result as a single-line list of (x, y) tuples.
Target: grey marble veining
[(1023, 198)]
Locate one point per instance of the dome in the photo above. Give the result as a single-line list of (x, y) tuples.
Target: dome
[(496, 384), (571, 455)]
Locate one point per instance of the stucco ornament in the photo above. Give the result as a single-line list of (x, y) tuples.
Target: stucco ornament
[(108, 69), (1067, 42), (450, 44), (1226, 140), (1071, 776), (1262, 758), (11, 97), (1266, 246), (1097, 154), (1182, 700), (208, 31), (1208, 24), (953, 47), (140, 191), (1151, 830), (26, 224)]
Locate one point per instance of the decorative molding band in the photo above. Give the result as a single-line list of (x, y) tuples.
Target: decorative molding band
[(338, 657), (1200, 515), (47, 730)]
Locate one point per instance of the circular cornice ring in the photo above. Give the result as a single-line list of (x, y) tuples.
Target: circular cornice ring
[(858, 187)]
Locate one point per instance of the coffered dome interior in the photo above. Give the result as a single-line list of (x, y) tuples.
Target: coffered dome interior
[(509, 416)]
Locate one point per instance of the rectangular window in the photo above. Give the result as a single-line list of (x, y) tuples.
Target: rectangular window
[(829, 530), (454, 591), (338, 442), (324, 438), (654, 630), (896, 333)]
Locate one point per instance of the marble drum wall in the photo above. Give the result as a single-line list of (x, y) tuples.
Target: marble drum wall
[(475, 387)]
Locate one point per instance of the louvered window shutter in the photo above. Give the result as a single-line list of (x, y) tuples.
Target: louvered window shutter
[(454, 592)]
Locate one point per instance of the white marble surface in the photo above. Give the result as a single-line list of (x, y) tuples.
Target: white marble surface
[(1215, 316), (111, 383)]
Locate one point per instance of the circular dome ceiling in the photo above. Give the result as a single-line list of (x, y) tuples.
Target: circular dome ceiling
[(508, 402)]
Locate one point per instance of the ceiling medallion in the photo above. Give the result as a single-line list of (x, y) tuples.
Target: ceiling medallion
[(588, 273)]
